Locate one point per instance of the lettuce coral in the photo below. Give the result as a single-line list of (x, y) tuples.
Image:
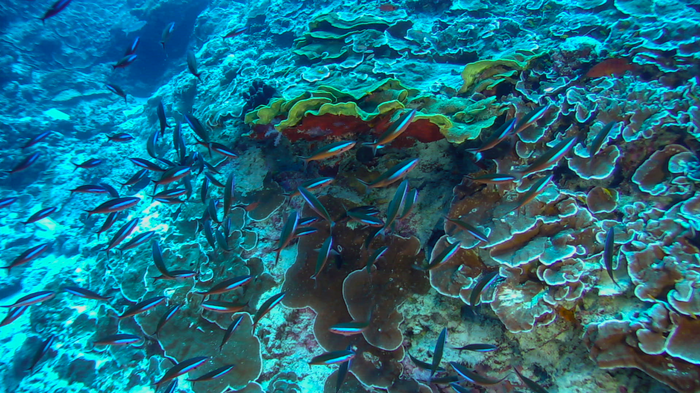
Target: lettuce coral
[(335, 302), (379, 294), (494, 71), (623, 343), (653, 176)]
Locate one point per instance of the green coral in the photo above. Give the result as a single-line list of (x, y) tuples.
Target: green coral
[(331, 37), (300, 109), (458, 118), (366, 103), (461, 119), (488, 73)]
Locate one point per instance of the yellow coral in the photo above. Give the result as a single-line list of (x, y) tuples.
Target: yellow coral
[(484, 69), (458, 119)]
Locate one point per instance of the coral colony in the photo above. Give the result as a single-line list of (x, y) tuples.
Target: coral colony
[(402, 196)]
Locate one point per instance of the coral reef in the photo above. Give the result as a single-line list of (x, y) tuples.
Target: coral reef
[(552, 210)]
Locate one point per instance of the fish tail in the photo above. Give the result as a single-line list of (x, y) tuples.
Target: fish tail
[(372, 145), (364, 183), (382, 231), (143, 344), (518, 175), (306, 161), (115, 316)]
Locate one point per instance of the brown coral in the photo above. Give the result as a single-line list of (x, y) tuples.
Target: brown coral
[(373, 366)]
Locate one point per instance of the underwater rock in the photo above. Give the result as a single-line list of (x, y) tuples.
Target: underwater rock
[(258, 94)]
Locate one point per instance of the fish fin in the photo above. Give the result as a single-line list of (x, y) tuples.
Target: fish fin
[(512, 206), (382, 231), (364, 183)]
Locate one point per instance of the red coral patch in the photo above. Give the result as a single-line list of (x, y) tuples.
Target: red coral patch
[(316, 128)]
